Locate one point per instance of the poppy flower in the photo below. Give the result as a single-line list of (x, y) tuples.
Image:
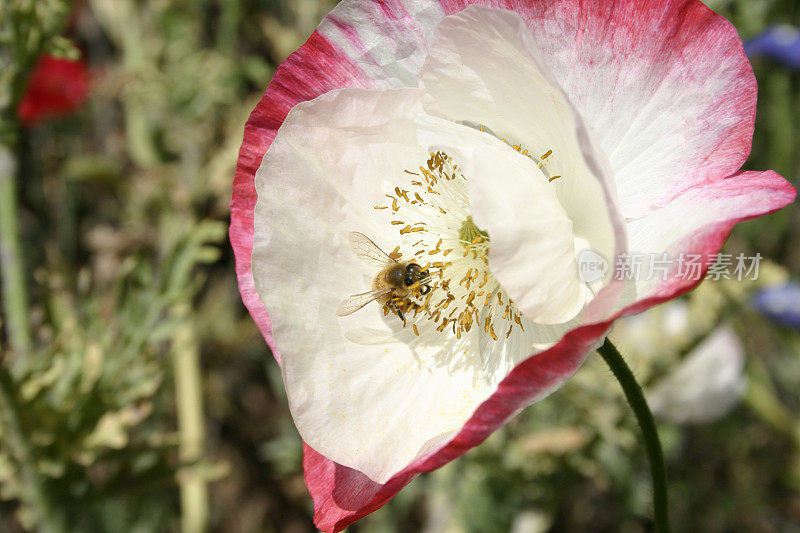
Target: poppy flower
[(56, 87), (493, 148)]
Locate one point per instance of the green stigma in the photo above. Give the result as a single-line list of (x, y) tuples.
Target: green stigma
[(469, 231)]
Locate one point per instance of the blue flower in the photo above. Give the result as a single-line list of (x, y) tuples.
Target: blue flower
[(781, 43), (780, 303)]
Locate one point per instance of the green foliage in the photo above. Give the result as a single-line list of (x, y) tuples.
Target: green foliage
[(93, 400)]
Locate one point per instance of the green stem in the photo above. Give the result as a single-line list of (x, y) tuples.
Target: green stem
[(633, 393), (191, 426), (15, 300)]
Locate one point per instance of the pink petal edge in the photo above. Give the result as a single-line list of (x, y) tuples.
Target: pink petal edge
[(314, 69)]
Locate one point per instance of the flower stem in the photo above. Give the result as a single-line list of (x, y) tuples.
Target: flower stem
[(633, 393), (35, 494), (191, 426), (14, 296)]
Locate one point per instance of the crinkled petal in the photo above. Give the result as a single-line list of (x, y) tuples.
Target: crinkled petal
[(697, 223), (528, 235), (316, 68), (332, 163), (343, 495), (664, 86), (484, 67), (387, 40)]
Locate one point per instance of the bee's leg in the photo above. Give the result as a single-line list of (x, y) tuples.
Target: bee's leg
[(425, 289), (393, 306)]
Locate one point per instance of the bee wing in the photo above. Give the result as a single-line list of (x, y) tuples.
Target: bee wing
[(353, 303), (368, 251)]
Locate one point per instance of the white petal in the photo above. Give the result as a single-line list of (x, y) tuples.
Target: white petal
[(363, 391), (484, 67), (532, 251), (665, 87)]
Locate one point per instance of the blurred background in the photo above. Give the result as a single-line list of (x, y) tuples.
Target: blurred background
[(136, 393)]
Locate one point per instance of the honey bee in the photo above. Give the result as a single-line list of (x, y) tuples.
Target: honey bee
[(392, 286)]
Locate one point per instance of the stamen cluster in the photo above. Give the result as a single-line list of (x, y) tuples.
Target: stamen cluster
[(464, 293)]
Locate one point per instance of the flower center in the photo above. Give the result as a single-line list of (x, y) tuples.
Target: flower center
[(433, 216), (469, 231)]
